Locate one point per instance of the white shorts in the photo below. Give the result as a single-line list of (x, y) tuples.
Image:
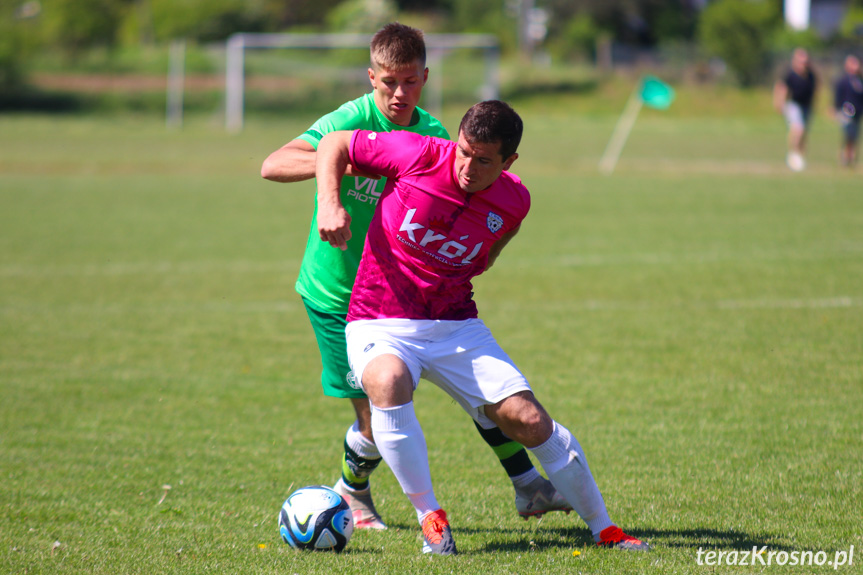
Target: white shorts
[(795, 115), (460, 357)]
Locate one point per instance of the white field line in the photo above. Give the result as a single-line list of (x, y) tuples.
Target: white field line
[(149, 308), (674, 167), (292, 265), (769, 303), (729, 167), (558, 306), (596, 260), (146, 268)]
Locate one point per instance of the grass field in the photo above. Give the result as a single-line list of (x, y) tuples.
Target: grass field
[(696, 319)]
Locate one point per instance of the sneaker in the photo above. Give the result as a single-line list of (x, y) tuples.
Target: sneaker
[(795, 161), (614, 538), (362, 507), (538, 498), (437, 537)]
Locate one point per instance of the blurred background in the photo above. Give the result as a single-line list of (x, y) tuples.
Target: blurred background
[(698, 315), (121, 55)]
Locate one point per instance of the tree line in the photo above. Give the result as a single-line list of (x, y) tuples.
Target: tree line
[(741, 32)]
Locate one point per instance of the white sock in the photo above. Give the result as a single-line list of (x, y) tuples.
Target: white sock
[(401, 442), (564, 463), (525, 479), (359, 444)]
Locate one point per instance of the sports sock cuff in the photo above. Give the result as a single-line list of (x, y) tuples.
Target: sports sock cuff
[(554, 453), (356, 442), (517, 464), (597, 526), (525, 479), (424, 503), (393, 418)]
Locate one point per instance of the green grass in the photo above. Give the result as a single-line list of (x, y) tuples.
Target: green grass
[(695, 319)]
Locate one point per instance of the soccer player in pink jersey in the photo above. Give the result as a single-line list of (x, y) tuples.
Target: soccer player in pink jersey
[(447, 211), (397, 74)]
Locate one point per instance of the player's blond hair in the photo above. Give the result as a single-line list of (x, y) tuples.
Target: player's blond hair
[(396, 47)]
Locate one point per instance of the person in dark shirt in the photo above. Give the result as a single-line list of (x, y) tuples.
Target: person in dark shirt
[(793, 96), (848, 103)]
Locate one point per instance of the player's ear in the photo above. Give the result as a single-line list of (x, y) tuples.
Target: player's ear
[(508, 162), (425, 76), (372, 77)]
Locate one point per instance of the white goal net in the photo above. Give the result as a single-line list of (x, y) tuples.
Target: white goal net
[(437, 46)]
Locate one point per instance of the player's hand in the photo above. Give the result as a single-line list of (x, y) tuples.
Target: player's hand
[(352, 171), (334, 226)]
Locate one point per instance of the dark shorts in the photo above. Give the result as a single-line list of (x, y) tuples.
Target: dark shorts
[(337, 379), (851, 131)]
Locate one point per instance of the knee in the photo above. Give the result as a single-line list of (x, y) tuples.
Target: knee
[(523, 419), (521, 413), (536, 427), (388, 382)]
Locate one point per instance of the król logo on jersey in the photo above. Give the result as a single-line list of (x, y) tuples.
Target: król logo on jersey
[(365, 191), (448, 251), (494, 222)]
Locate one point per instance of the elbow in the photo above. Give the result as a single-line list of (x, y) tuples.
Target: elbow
[(267, 171)]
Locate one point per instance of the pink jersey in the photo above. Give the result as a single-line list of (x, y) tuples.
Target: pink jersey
[(428, 238)]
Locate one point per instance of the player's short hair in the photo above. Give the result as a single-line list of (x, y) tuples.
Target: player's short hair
[(396, 47), (491, 122)]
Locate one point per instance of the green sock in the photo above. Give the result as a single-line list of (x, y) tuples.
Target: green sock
[(356, 469), (512, 455)]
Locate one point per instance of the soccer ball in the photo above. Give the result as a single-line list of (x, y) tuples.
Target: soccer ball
[(316, 518)]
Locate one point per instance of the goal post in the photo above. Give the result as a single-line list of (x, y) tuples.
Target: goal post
[(437, 45)]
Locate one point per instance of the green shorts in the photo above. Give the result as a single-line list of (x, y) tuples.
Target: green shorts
[(337, 379)]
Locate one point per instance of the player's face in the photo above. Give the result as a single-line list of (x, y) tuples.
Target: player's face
[(397, 92), (478, 165), (800, 61)]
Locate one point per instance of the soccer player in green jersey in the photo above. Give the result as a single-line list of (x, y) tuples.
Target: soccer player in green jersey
[(397, 75)]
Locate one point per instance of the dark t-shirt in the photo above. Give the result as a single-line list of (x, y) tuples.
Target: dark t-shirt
[(801, 89), (849, 96)]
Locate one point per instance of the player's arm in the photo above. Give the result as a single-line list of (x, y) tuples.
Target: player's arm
[(295, 162), (815, 94), (780, 94), (838, 97), (500, 244), (333, 158)]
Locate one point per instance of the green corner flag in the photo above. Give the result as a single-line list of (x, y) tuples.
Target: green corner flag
[(652, 92), (655, 93)]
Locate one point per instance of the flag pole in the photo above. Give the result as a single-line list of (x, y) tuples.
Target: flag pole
[(621, 132)]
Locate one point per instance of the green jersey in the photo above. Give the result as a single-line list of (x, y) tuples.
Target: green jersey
[(327, 274)]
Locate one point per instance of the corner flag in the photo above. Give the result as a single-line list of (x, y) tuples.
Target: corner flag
[(651, 92), (655, 93)]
